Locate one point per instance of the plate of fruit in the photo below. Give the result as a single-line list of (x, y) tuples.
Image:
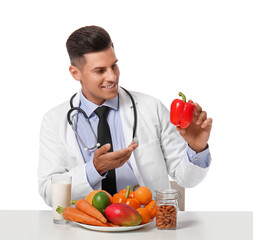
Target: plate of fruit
[(127, 210)]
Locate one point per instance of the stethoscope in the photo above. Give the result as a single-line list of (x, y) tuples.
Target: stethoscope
[(72, 121)]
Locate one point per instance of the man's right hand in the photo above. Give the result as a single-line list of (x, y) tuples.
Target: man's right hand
[(104, 160)]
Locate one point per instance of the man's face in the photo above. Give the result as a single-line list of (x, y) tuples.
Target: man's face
[(100, 76)]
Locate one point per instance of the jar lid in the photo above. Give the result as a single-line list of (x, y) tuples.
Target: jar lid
[(169, 194)]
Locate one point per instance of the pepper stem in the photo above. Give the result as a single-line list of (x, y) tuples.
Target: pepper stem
[(127, 191), (134, 187), (73, 202), (183, 96)]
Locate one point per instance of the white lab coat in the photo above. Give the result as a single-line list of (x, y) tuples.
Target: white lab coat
[(161, 152)]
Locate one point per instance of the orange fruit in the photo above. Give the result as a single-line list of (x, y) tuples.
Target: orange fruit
[(133, 202), (151, 207), (144, 195), (144, 214), (90, 196)]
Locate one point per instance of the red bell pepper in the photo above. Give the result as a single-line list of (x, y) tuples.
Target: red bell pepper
[(181, 112)]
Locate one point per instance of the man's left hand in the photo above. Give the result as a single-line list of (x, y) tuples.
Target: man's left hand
[(198, 132)]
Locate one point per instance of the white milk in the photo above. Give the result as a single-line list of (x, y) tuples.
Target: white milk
[(61, 194)]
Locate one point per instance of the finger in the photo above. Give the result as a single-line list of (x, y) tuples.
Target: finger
[(207, 122), (123, 155), (123, 160), (120, 153), (198, 109), (202, 117), (133, 145), (102, 150), (109, 161), (117, 156), (116, 162), (182, 131)]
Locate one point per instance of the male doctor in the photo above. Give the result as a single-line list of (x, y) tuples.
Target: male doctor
[(159, 150)]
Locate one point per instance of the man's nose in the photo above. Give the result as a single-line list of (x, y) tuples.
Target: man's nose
[(111, 76)]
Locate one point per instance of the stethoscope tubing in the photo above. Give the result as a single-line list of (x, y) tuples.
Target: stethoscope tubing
[(78, 109), (135, 112)]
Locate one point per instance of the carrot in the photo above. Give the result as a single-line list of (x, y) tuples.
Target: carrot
[(84, 206), (75, 215), (112, 225)]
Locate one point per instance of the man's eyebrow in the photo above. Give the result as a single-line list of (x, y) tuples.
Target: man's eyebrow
[(115, 62), (95, 68)]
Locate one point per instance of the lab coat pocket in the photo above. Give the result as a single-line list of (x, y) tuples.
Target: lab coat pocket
[(150, 162)]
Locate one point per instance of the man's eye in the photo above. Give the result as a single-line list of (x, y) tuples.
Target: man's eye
[(114, 66), (100, 71)]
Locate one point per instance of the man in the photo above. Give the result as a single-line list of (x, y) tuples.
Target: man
[(159, 149)]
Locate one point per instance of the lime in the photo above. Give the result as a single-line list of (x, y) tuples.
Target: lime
[(100, 201)]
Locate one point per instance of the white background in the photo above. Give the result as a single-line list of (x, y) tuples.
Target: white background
[(202, 48)]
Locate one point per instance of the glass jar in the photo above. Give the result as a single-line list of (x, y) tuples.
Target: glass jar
[(167, 205)]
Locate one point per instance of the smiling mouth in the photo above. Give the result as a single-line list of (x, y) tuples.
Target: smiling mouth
[(110, 86)]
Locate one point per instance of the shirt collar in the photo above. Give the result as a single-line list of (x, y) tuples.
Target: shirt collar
[(89, 107)]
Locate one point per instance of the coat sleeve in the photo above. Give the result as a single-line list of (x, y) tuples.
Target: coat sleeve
[(53, 159), (174, 148)]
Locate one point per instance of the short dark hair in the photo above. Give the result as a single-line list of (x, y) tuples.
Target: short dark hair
[(86, 40)]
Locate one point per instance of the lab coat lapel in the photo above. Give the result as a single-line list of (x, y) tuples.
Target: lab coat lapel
[(127, 120)]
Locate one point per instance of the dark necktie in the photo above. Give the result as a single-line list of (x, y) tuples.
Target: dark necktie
[(104, 136)]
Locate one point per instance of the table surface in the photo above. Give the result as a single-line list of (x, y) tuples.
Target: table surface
[(29, 224)]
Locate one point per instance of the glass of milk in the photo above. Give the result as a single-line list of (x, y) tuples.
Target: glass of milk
[(61, 195)]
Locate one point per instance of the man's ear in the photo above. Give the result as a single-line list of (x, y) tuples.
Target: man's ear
[(75, 72)]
